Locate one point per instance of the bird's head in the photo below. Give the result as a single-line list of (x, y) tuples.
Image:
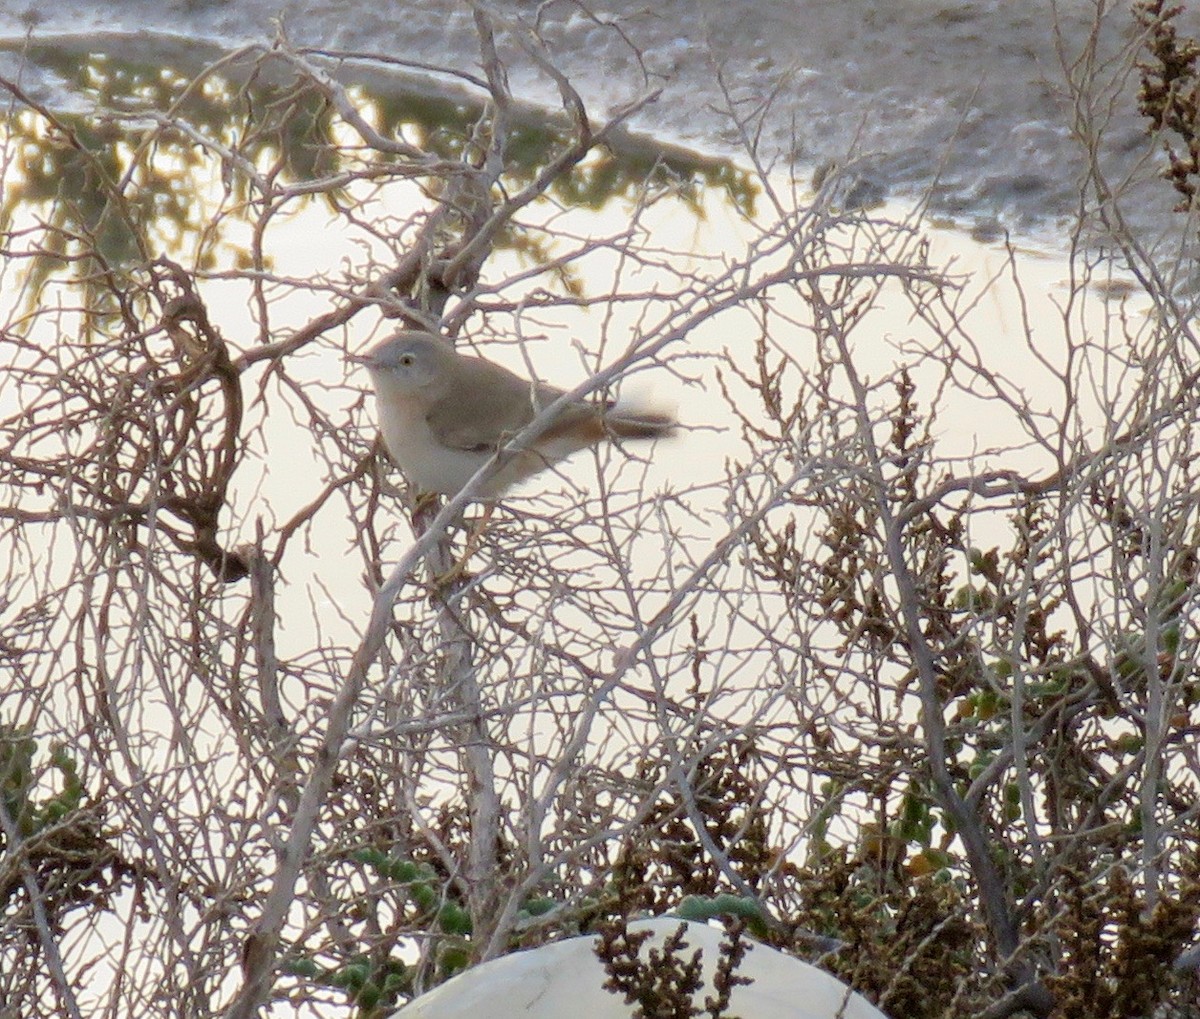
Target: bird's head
[(408, 361)]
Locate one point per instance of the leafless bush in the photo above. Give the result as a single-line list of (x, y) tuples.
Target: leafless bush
[(915, 702)]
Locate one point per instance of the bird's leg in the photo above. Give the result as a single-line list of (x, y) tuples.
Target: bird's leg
[(474, 539), (475, 534), (443, 574), (422, 502)]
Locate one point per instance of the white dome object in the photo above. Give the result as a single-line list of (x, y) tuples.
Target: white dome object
[(563, 980)]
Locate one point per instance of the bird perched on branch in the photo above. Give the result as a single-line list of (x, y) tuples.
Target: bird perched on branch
[(444, 415)]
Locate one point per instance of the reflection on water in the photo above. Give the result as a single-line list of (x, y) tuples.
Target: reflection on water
[(967, 104), (147, 170)]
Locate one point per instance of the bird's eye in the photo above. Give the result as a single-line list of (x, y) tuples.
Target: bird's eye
[(406, 360)]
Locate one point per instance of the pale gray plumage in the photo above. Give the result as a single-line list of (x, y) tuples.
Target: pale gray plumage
[(443, 415)]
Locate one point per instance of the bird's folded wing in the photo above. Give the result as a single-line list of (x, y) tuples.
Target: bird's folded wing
[(486, 410)]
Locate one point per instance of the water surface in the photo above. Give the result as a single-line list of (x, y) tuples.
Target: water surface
[(966, 103)]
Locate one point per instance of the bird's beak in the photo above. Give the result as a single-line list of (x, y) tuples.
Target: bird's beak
[(363, 359)]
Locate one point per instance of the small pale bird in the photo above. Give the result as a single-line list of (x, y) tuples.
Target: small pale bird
[(444, 415)]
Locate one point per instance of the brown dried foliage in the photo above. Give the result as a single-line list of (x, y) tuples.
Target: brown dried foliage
[(1170, 94)]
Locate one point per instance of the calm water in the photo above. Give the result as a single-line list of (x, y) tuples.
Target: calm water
[(963, 101)]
